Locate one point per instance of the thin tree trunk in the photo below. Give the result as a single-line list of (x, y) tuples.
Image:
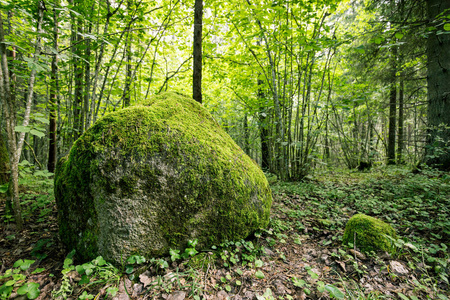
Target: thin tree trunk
[(246, 136), (197, 76), (392, 110), (87, 81), (53, 103), (78, 84), (263, 130), (400, 137), (126, 91), (15, 146)]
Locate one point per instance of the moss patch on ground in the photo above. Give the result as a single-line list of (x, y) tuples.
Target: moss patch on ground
[(368, 233)]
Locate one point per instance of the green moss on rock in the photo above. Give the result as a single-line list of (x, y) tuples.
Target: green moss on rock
[(151, 177), (368, 233)]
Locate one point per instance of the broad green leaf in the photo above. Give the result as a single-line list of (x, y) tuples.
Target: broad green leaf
[(140, 259), (312, 274), (399, 35), (67, 262), (378, 40), (259, 274), (112, 290), (84, 279), (31, 289), (447, 26), (129, 269), (334, 291), (37, 133), (23, 264), (10, 283), (80, 269), (43, 120), (99, 261), (38, 270), (190, 251), (4, 188), (5, 291), (22, 129), (259, 263)]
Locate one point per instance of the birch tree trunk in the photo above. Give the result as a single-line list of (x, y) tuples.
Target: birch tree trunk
[(15, 145)]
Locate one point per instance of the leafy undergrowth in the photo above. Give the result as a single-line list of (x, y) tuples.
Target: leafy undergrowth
[(300, 255)]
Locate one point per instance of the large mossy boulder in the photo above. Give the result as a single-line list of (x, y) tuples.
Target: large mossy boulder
[(368, 234), (152, 177)]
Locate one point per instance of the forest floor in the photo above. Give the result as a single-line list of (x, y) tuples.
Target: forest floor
[(299, 256)]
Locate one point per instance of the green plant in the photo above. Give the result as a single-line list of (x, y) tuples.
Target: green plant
[(231, 253), (190, 249), (66, 288), (97, 272), (16, 278), (132, 261), (266, 296)]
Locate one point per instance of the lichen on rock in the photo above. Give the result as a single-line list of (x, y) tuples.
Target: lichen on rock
[(151, 177), (368, 233)]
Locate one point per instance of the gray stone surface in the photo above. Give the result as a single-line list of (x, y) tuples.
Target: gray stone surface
[(152, 177)]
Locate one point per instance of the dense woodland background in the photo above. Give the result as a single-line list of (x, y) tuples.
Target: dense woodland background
[(299, 85)]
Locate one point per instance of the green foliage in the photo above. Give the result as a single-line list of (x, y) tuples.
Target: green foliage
[(416, 206), (94, 274), (16, 278), (243, 252)]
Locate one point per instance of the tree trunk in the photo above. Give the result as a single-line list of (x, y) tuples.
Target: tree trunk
[(400, 137), (87, 81), (4, 160), (78, 70), (15, 145), (246, 136), (53, 101), (392, 110), (263, 130), (197, 76), (438, 51)]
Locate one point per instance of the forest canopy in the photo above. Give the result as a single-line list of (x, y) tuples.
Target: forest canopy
[(299, 85)]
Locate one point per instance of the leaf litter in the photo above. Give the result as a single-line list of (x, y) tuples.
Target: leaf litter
[(299, 256)]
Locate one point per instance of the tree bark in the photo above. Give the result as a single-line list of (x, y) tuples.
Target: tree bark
[(263, 130), (246, 136), (400, 137), (4, 160), (15, 145), (197, 76), (438, 51), (53, 103), (392, 110), (78, 74)]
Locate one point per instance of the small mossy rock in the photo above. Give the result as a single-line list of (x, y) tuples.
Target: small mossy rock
[(154, 176), (370, 233)]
